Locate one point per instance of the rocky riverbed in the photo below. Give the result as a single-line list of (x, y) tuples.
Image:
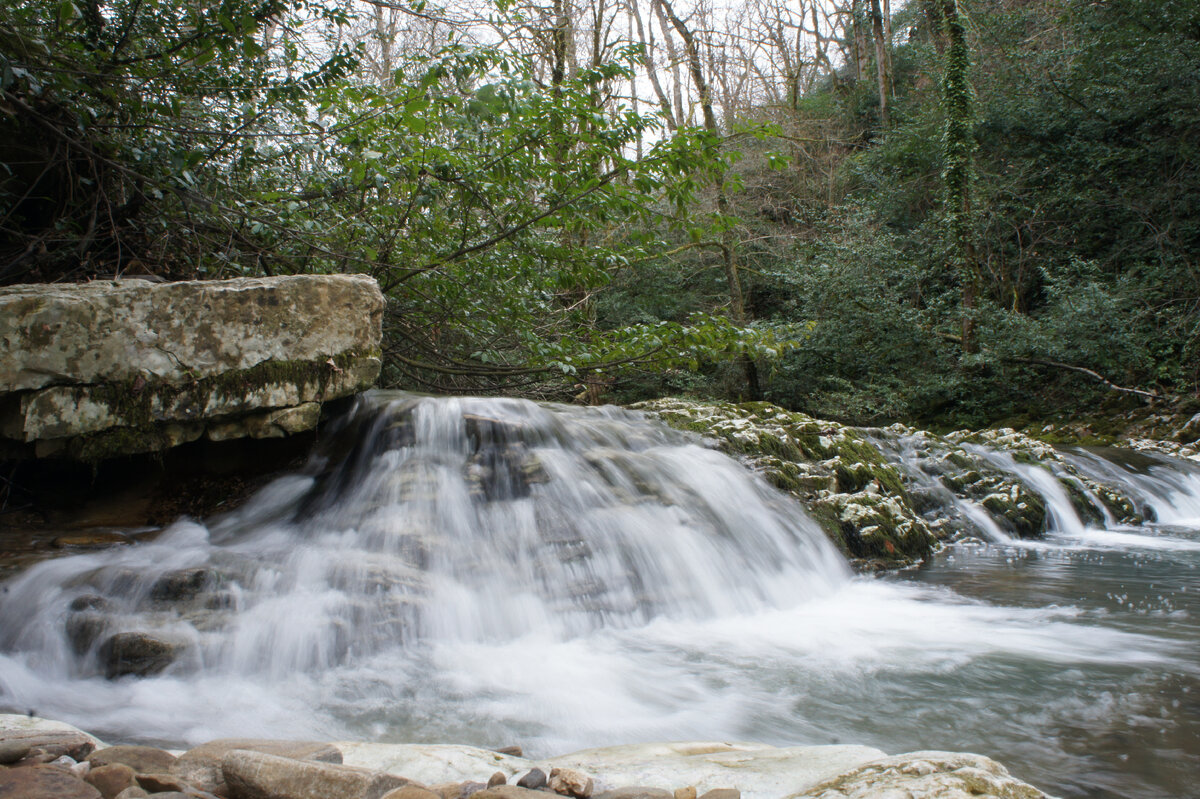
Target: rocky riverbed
[(42, 759)]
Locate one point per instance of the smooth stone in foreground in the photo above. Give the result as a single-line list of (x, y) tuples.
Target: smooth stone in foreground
[(49, 741), (111, 778), (254, 775), (926, 775), (143, 759), (431, 763), (44, 782), (201, 765), (757, 770)]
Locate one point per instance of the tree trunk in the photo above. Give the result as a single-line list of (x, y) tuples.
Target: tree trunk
[(882, 60), (958, 97), (737, 306)]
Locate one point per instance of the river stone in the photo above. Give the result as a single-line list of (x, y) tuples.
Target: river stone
[(417, 792), (110, 779), (925, 775), (133, 792), (634, 792), (254, 775), (136, 653), (499, 778), (510, 792), (201, 765), (685, 793), (49, 742), (569, 782), (757, 770), (12, 751), (179, 585), (144, 759), (722, 793), (162, 783), (430, 763), (44, 782), (535, 779)]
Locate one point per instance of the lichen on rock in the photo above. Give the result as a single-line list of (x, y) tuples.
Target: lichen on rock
[(889, 497)]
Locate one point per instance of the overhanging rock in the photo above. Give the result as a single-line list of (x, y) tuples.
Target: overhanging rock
[(108, 368)]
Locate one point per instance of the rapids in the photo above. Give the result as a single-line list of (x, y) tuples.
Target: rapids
[(490, 572)]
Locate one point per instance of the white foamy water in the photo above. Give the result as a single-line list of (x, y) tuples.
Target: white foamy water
[(497, 572)]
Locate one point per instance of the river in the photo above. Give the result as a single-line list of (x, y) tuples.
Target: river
[(495, 572)]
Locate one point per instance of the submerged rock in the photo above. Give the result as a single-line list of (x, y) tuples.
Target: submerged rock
[(136, 653)]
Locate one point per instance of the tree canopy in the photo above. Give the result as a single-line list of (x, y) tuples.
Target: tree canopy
[(866, 212)]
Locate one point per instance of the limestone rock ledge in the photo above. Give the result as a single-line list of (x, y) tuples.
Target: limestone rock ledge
[(95, 370)]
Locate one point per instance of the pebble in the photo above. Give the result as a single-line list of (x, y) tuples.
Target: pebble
[(534, 780), (569, 782), (498, 778)]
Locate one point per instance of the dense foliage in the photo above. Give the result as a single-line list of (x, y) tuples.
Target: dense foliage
[(1015, 232)]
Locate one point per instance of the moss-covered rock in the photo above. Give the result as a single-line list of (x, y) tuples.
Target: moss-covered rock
[(849, 487), (118, 367), (887, 497)]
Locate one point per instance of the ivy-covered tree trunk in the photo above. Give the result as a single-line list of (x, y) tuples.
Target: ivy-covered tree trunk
[(958, 174)]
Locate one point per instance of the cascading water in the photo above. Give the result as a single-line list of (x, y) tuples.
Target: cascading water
[(496, 571)]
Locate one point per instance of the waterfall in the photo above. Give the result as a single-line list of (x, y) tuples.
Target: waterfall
[(496, 571)]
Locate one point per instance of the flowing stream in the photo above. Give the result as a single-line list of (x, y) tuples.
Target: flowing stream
[(496, 571)]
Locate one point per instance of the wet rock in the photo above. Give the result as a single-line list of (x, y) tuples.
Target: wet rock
[(511, 751), (180, 585), (535, 779), (98, 539), (686, 793), (44, 782), (254, 775), (925, 775), (48, 744), (84, 629), (498, 778), (569, 782), (201, 765), (635, 792), (136, 653), (110, 779), (144, 759)]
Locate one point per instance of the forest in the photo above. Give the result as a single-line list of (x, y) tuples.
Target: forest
[(955, 212)]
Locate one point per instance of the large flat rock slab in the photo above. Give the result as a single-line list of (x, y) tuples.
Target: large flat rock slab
[(115, 367), (757, 770), (107, 331)]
